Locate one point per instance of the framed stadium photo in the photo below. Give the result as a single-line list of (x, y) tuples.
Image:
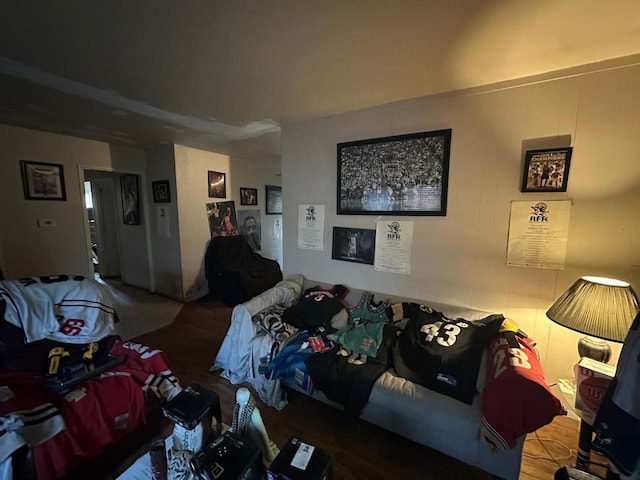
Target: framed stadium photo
[(399, 175)]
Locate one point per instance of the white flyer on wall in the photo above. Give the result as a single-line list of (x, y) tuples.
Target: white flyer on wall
[(393, 246), (538, 233), (311, 227)]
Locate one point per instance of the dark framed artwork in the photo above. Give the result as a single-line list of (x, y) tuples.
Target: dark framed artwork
[(130, 199), (399, 175), (273, 195), (248, 196), (161, 192), (546, 170), (353, 245), (217, 184), (42, 181)]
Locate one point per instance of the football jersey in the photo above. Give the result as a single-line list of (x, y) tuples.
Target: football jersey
[(149, 367), (66, 308), (27, 414), (515, 399), (441, 353), (97, 413)]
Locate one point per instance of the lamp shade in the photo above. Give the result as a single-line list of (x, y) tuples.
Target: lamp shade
[(597, 306)]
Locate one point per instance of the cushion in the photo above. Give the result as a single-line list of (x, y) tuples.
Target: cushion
[(441, 353), (515, 399)]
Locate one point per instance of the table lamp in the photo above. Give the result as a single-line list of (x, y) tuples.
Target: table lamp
[(603, 309)]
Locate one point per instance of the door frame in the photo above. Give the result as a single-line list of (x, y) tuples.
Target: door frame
[(145, 208)]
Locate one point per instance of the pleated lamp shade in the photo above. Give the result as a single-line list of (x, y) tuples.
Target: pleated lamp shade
[(597, 306)]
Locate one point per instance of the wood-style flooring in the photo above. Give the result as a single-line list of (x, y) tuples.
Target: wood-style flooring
[(360, 450)]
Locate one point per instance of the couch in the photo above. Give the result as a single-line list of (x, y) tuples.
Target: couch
[(473, 431)]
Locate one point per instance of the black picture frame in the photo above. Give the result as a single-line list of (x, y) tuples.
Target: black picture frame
[(273, 194), (130, 199), (161, 191), (397, 175), (248, 196), (42, 181), (546, 170), (356, 245), (217, 184)]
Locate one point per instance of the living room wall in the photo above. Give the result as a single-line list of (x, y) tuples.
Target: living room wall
[(30, 250), (460, 258), (192, 166)]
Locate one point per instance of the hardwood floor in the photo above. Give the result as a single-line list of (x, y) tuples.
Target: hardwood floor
[(360, 450)]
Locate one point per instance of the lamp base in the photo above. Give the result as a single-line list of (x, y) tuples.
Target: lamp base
[(594, 348)]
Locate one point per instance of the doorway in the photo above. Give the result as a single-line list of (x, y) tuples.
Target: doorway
[(100, 198)]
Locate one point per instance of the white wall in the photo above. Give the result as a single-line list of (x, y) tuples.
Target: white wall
[(165, 242), (29, 250), (461, 258), (192, 166)]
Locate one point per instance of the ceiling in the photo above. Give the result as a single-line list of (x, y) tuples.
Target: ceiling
[(225, 75)]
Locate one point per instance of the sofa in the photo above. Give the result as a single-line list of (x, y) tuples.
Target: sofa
[(484, 427)]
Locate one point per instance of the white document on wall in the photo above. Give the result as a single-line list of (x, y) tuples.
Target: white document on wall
[(163, 223), (538, 233), (393, 246), (311, 227)]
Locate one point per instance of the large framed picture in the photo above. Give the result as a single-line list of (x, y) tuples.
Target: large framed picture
[(130, 199), (353, 245), (546, 170), (399, 175), (273, 195), (43, 181)]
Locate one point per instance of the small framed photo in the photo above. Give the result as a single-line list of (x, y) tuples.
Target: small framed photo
[(43, 181), (546, 170), (353, 245), (161, 193), (248, 196), (217, 184), (274, 200)]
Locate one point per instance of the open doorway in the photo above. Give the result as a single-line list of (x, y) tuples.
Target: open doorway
[(100, 200)]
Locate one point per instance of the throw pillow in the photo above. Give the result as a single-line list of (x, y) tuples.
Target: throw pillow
[(441, 353)]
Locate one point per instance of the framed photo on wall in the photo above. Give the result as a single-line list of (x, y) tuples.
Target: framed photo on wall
[(274, 200), (42, 181), (161, 192), (546, 170), (399, 175), (217, 184), (130, 199), (248, 196), (353, 245)]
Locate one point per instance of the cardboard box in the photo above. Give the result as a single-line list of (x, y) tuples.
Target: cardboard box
[(299, 460), (592, 380)]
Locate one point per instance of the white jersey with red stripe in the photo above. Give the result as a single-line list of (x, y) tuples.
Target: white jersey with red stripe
[(65, 308), (27, 416)]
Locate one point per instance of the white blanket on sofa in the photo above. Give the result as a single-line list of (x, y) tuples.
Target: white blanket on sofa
[(235, 357)]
